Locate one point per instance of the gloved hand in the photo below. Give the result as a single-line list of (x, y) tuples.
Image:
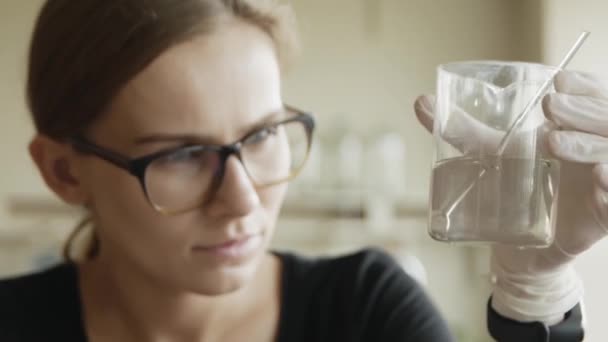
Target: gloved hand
[(541, 284)]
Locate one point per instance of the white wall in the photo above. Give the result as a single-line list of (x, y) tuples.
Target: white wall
[(17, 172), (562, 22), (367, 60)]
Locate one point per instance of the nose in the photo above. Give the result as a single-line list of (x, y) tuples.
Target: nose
[(236, 195)]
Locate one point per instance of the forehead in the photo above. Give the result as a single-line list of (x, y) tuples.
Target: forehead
[(212, 85)]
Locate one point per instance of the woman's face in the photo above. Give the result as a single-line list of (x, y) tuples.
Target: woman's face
[(213, 89)]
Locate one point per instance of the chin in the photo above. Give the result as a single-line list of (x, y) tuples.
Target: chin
[(219, 288), (224, 279)]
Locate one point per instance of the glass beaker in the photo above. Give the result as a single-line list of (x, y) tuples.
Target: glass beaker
[(477, 193)]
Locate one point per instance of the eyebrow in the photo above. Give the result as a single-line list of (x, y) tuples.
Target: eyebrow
[(152, 138)]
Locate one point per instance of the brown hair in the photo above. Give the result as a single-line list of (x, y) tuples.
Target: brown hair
[(83, 52)]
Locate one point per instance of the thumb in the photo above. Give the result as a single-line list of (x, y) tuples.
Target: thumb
[(424, 106)]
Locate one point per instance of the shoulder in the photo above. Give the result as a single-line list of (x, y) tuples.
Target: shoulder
[(36, 299), (368, 262), (370, 274), (370, 291), (44, 282)]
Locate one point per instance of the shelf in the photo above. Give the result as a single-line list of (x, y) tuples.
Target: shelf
[(320, 205)]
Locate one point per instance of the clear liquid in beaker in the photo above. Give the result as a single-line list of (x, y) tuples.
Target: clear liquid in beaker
[(513, 203)]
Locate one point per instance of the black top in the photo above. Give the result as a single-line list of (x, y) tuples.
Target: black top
[(365, 296)]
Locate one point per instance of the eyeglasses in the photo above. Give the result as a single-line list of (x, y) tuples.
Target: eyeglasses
[(180, 179)]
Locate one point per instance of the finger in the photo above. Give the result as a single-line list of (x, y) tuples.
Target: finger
[(578, 146), (466, 133), (579, 83), (462, 131), (424, 108), (472, 136), (578, 113), (600, 176)]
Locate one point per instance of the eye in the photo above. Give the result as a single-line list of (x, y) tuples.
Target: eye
[(261, 135), (199, 157), (183, 156)]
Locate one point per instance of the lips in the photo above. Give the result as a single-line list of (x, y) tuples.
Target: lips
[(237, 248), (227, 243)]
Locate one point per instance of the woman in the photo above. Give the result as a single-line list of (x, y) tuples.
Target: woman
[(164, 119)]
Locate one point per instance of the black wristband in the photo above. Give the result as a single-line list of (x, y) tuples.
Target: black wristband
[(503, 329)]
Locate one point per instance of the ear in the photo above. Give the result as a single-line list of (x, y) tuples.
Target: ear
[(58, 164)]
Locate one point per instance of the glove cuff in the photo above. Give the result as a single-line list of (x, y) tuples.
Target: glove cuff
[(541, 298)]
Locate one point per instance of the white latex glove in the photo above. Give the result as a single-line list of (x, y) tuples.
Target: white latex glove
[(541, 284)]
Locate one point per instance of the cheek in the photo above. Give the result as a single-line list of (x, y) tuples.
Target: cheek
[(126, 221), (272, 199), (114, 192)]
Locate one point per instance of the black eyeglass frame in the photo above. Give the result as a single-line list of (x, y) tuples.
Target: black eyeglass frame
[(138, 166)]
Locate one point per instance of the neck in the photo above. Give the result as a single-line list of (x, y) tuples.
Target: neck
[(138, 308)]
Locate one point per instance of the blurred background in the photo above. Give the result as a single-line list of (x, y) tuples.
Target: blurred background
[(362, 65)]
